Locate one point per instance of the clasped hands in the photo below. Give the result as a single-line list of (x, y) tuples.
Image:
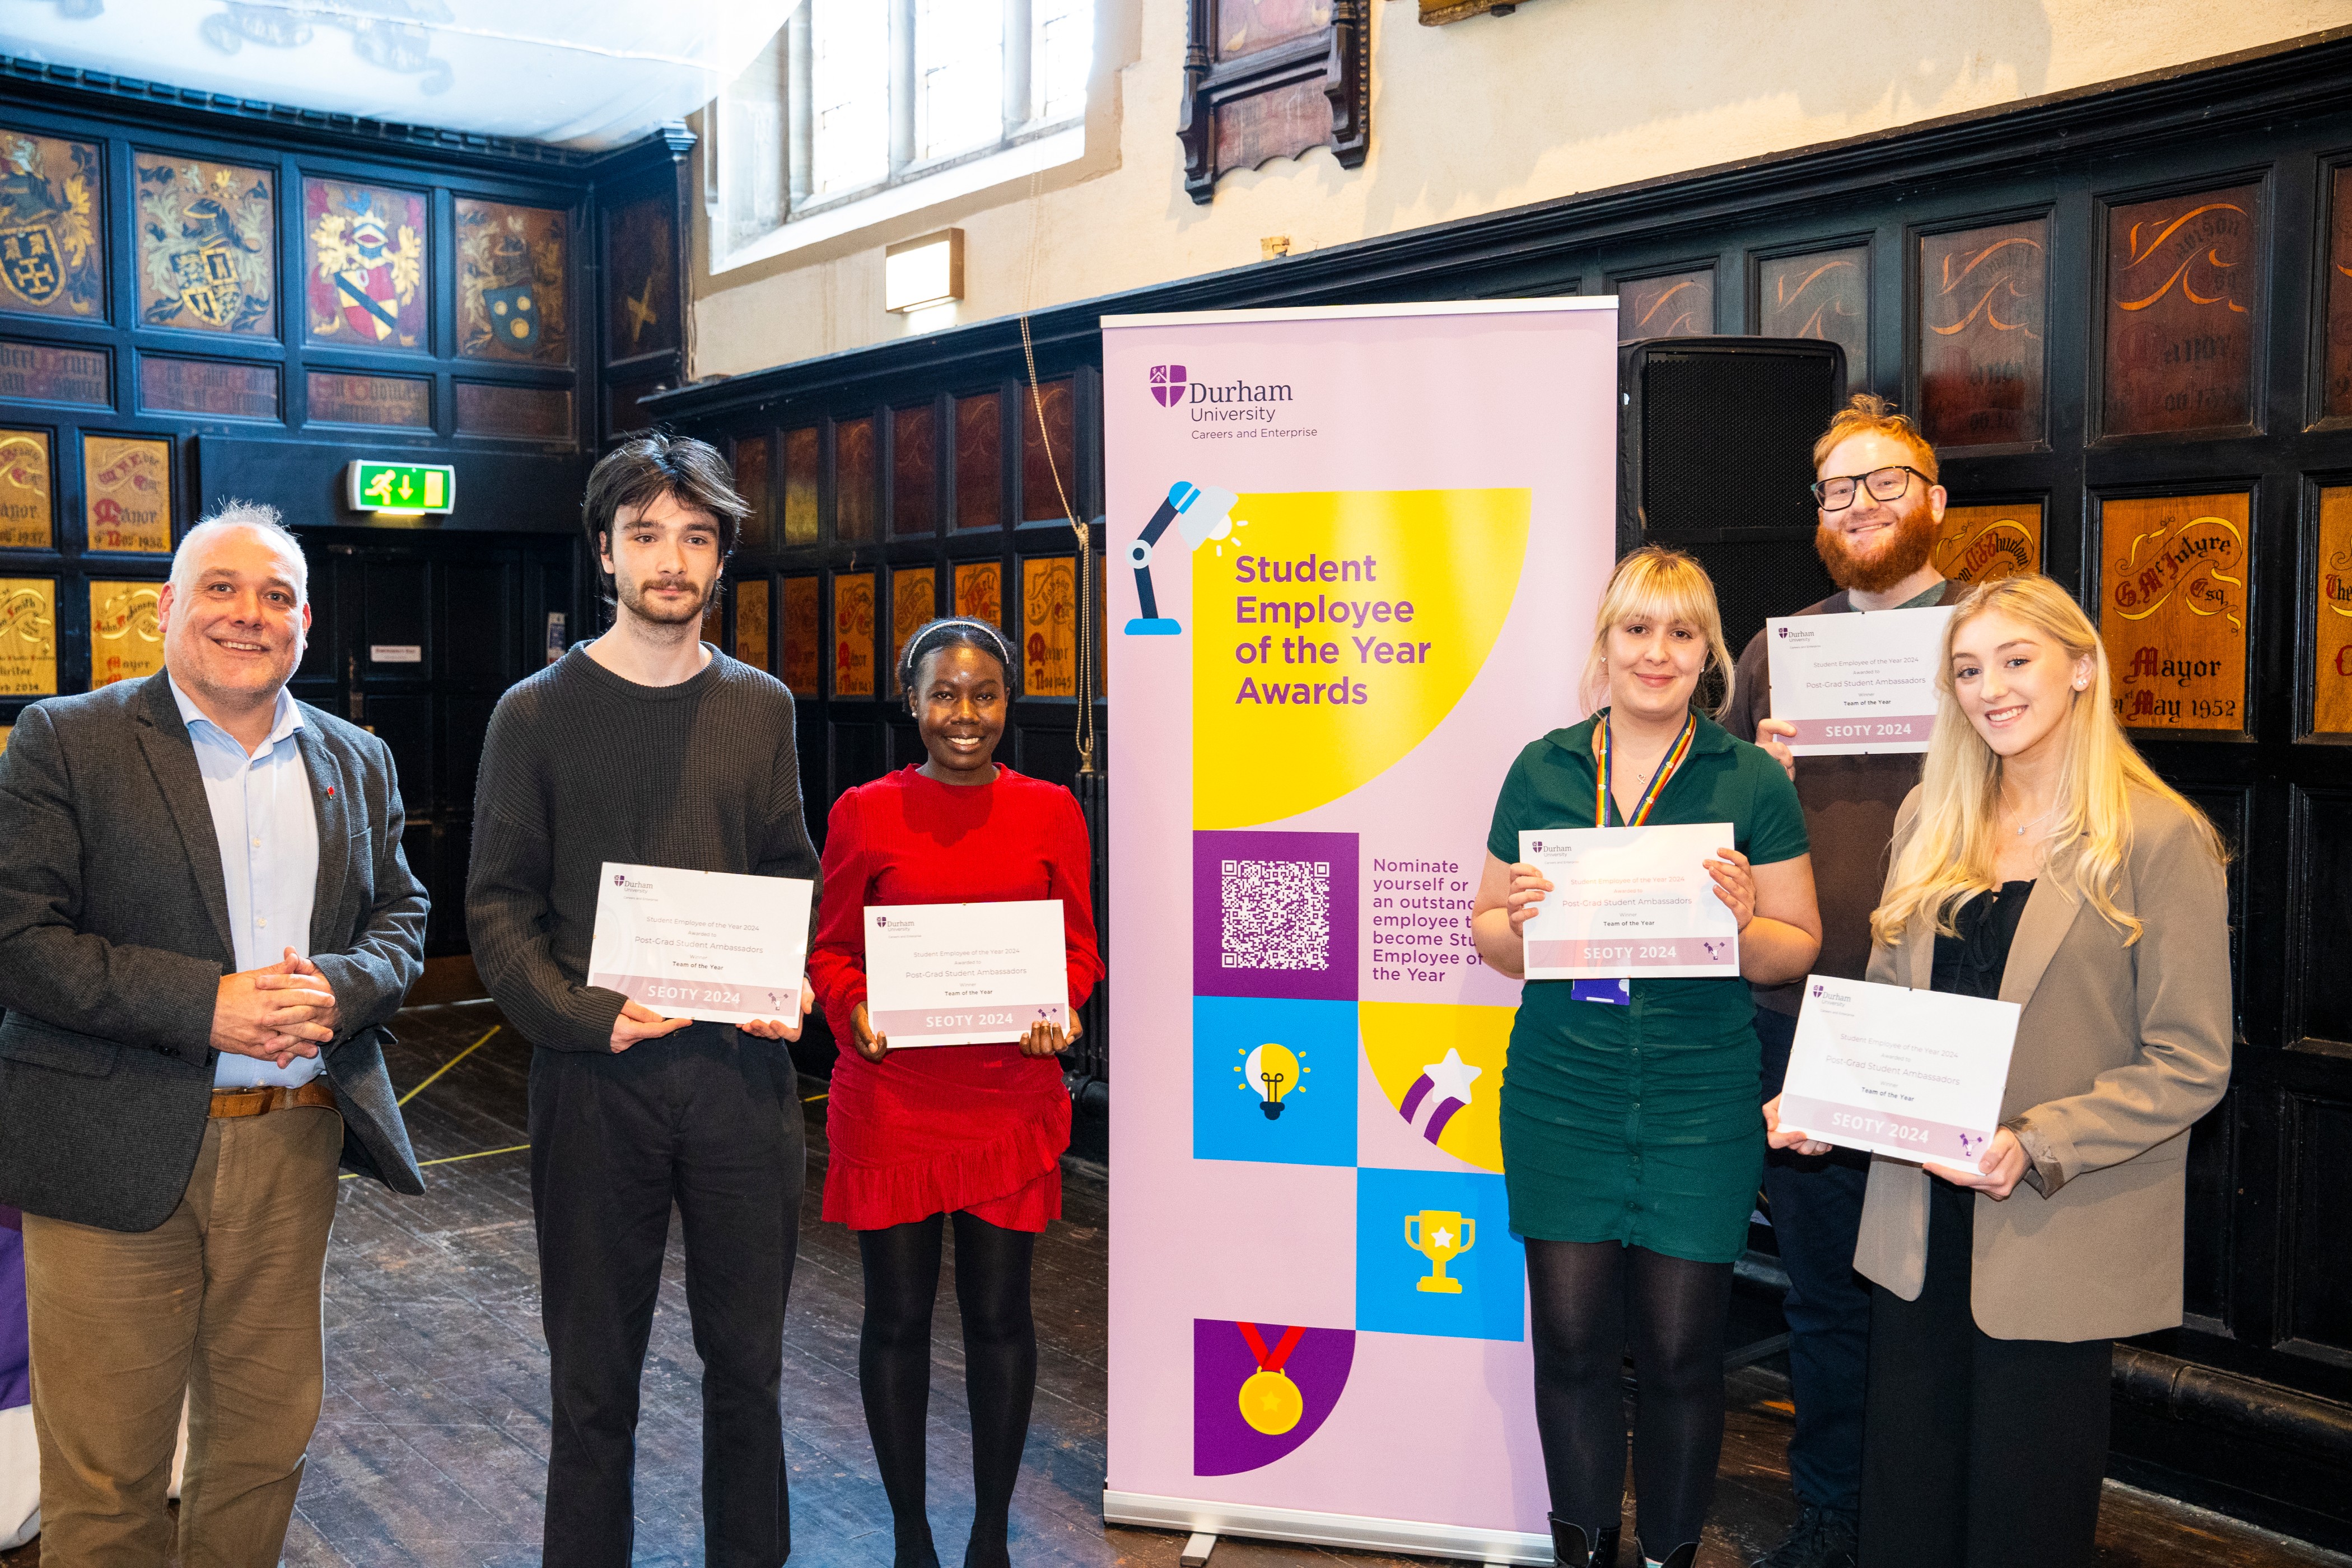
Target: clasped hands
[(1042, 1040), (277, 1013), (1734, 884), (639, 1022), (1996, 1176)]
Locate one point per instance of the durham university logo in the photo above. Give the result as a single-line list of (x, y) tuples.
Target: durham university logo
[(1168, 385)]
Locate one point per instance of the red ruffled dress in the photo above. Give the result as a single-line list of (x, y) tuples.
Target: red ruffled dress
[(938, 1128)]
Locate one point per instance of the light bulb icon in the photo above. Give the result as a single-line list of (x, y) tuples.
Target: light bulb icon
[(1272, 1072)]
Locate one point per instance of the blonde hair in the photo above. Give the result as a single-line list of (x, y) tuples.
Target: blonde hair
[(1665, 585), (1952, 851), (1867, 414)]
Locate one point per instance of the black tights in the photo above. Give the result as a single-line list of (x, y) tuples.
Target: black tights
[(894, 1369), (1588, 1298)]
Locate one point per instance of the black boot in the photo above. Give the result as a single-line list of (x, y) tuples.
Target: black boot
[(1573, 1548), (1682, 1556), (914, 1548)]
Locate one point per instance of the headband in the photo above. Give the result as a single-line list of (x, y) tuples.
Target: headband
[(914, 655)]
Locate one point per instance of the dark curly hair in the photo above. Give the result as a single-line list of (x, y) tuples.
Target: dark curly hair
[(954, 631), (644, 469)]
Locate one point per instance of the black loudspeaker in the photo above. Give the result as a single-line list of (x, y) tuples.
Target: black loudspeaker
[(1715, 455)]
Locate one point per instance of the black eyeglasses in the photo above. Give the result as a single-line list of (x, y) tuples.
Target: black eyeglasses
[(1884, 484)]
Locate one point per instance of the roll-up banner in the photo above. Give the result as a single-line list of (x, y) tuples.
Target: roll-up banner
[(1353, 561)]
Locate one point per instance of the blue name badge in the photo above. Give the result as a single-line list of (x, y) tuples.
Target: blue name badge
[(1617, 993)]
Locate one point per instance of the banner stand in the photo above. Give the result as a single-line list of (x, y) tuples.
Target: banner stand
[(1496, 1546)]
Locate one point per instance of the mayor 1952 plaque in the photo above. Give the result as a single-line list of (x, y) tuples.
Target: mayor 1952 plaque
[(2183, 312), (2172, 609)]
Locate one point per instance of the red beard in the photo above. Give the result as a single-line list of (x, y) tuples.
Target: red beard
[(1914, 543)]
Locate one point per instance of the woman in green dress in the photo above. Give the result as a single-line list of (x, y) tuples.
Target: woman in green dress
[(1633, 1140)]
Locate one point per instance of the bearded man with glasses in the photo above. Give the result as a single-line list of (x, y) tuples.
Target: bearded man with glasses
[(1879, 507)]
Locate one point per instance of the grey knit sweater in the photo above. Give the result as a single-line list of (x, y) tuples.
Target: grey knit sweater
[(580, 767)]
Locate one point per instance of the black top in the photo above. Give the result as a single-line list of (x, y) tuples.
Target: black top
[(580, 767), (1971, 964)]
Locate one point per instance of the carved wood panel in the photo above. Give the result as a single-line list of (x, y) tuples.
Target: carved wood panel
[(1824, 294), (1981, 366), (2172, 609), (1976, 543), (1674, 305), (1271, 79), (2183, 312)]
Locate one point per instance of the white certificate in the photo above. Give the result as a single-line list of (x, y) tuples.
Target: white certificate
[(1915, 1074), (1858, 682), (701, 944), (965, 974), (1633, 902)]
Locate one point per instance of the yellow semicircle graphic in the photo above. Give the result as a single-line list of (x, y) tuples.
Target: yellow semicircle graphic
[(1441, 1066), (1332, 631)]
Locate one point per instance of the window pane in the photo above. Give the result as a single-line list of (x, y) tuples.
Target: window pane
[(958, 76), (1062, 56), (849, 81)]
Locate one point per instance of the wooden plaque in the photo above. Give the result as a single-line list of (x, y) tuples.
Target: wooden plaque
[(803, 636), (2172, 609), (338, 399), (1982, 372), (1049, 626), (803, 471), (852, 634), (2336, 394), (207, 245), (641, 278), (127, 483), (2331, 673), (364, 260), (53, 239), (6, 730), (29, 637), (1978, 543), (1273, 79), (524, 413), (27, 514), (126, 635), (754, 483), (979, 461), (221, 389), (43, 372), (2183, 312), (1823, 295), (980, 592), (1677, 305), (914, 600), (854, 475), (1040, 499), (752, 622), (914, 471), (512, 266)]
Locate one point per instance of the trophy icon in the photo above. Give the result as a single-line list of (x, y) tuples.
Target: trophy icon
[(1441, 1236)]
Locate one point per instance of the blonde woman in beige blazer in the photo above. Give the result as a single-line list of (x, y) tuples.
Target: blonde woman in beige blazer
[(2040, 862)]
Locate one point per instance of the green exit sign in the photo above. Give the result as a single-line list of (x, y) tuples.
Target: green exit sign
[(401, 487)]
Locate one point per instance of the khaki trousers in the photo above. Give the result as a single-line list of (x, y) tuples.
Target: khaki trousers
[(220, 1302)]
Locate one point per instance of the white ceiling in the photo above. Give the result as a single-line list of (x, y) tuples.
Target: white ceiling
[(590, 74)]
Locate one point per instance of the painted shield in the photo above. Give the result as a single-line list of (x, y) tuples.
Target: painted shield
[(371, 305), (207, 281), (1168, 385), (514, 314), (29, 259)]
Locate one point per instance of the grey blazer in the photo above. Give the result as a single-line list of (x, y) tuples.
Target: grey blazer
[(114, 934), (2119, 1051)]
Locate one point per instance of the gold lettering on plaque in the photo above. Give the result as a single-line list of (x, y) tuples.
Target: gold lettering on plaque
[(2331, 674), (852, 634), (25, 516), (130, 485), (1976, 543), (2172, 610), (29, 637), (126, 636)]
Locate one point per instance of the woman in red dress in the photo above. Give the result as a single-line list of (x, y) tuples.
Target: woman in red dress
[(973, 1132)]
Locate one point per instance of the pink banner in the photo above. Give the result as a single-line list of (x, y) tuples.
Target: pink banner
[(1632, 957), (916, 1021), (1887, 1131), (673, 998), (1877, 731)]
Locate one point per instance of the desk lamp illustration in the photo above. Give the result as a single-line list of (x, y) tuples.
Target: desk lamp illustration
[(1200, 513)]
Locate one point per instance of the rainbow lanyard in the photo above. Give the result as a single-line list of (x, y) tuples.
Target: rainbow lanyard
[(1666, 766)]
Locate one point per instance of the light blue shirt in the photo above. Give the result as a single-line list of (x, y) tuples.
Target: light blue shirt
[(268, 828)]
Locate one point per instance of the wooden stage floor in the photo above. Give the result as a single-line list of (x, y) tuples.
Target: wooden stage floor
[(432, 1446)]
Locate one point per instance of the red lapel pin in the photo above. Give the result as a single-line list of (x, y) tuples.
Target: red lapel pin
[(330, 792)]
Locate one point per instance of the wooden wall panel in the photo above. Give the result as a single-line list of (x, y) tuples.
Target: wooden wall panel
[(27, 506), (2183, 312), (1981, 346), (1822, 294), (2172, 609), (2331, 615), (1976, 543), (1675, 305), (852, 634)]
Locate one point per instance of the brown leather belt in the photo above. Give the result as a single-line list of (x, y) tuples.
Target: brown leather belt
[(262, 1098)]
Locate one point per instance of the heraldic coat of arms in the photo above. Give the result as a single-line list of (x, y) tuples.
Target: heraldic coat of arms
[(510, 274), (367, 261), (48, 259), (204, 247)]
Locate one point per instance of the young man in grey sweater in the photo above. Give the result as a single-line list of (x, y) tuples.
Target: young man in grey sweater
[(647, 746)]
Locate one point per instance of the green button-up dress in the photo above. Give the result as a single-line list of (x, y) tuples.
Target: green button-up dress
[(1640, 1124)]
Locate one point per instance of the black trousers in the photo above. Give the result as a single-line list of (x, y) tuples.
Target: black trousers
[(1984, 1453), (709, 1121), (1816, 1222)]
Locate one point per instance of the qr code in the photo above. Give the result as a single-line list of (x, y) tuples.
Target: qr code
[(1277, 914)]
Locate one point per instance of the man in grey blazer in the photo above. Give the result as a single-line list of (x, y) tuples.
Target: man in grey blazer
[(204, 920)]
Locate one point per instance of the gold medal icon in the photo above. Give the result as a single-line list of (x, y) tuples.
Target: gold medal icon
[(1271, 1403)]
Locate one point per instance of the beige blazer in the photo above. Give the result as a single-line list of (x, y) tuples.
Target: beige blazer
[(2119, 1049)]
